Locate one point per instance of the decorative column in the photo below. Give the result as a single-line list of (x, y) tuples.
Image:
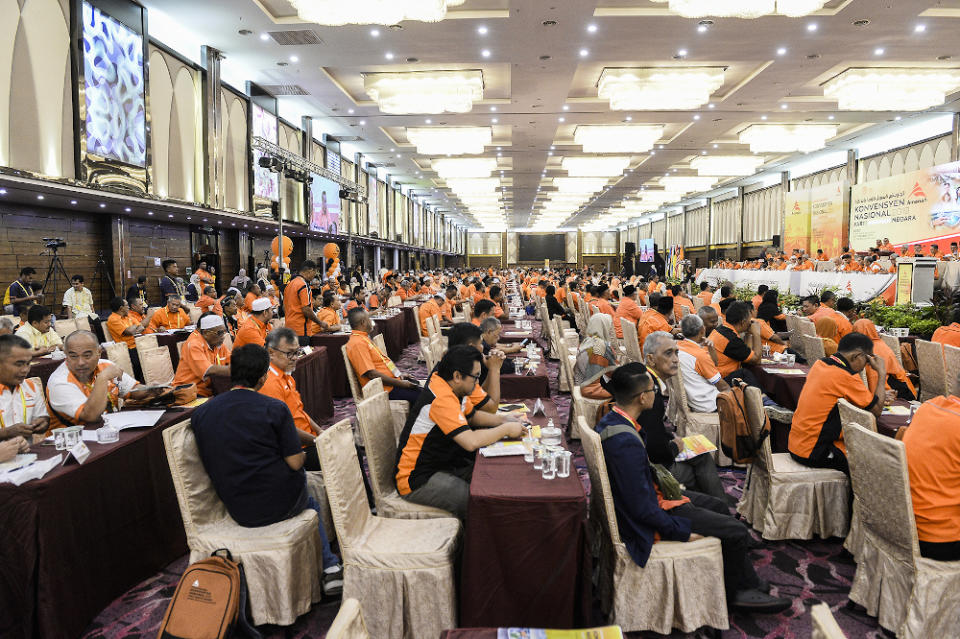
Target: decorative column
[(214, 178)]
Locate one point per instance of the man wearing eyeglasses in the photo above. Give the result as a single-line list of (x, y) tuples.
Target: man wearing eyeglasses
[(284, 349), (204, 355)]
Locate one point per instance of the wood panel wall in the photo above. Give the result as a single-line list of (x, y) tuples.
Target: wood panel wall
[(150, 240)]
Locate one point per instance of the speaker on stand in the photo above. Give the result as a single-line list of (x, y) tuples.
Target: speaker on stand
[(629, 251)]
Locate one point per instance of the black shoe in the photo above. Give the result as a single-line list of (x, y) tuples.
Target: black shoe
[(333, 581), (759, 602)]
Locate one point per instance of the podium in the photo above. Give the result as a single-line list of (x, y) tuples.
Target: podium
[(915, 280)]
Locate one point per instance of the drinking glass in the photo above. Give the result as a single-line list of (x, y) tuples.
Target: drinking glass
[(766, 351), (60, 438), (549, 469), (528, 443), (539, 451), (73, 436), (563, 463)]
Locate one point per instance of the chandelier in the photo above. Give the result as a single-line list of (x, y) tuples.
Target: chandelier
[(424, 91), (726, 165), (464, 167), (892, 89), (743, 8), (455, 140), (787, 138), (620, 138), (335, 13), (659, 88), (595, 166)]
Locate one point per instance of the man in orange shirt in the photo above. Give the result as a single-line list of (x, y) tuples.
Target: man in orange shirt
[(705, 293), (628, 310), (935, 251), (812, 310), (821, 256), (602, 301), (949, 335), (887, 246), (208, 303), (658, 319), (481, 311), (733, 352), (932, 446), (169, 318), (758, 298), (369, 362), (138, 311), (254, 330), (428, 309), (121, 326), (680, 300), (329, 314), (298, 302), (805, 264), (816, 436), (496, 296), (203, 355)]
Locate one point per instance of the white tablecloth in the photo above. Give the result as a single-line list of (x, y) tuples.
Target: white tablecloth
[(861, 287)]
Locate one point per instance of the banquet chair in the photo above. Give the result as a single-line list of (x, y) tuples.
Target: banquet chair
[(792, 321), (894, 344), (697, 302), (850, 414), (400, 570), (399, 408), (106, 331), (195, 314), (910, 595), (156, 366), (582, 407), (394, 301), (147, 342), (425, 355), (806, 327), (83, 323), (119, 354), (933, 372), (348, 624), (282, 561), (680, 587), (375, 421), (631, 341), (351, 376), (784, 499), (951, 361), (63, 327), (568, 355), (824, 625), (689, 422), (379, 341), (812, 347)]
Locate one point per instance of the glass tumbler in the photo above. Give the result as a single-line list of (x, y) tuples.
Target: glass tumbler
[(60, 438), (539, 452), (73, 436), (528, 443), (549, 470), (563, 463)]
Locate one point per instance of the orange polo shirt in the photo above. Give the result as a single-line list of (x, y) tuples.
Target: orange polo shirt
[(195, 358), (628, 310), (207, 304), (164, 320), (364, 356), (652, 322), (426, 310), (252, 331), (328, 315), (604, 306), (806, 266), (116, 325), (678, 304), (296, 295), (706, 296), (248, 302), (932, 445), (949, 335), (281, 385)]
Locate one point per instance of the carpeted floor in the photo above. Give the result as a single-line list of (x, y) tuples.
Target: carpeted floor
[(806, 571)]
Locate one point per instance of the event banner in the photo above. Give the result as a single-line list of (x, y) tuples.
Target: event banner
[(861, 287), (828, 218), (796, 224), (919, 206)]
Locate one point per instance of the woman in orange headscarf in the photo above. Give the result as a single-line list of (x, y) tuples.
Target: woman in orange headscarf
[(897, 378), (827, 332)]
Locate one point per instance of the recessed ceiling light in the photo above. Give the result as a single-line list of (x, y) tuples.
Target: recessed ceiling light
[(702, 28), (763, 117), (920, 28), (879, 51), (499, 148), (628, 118), (294, 58), (584, 53), (350, 111), (485, 53), (190, 218), (682, 52), (39, 197), (149, 212), (566, 107), (494, 120), (482, 30), (812, 26), (428, 121), (829, 117), (102, 205), (388, 55), (782, 51), (696, 116), (391, 150), (171, 215), (660, 147), (362, 122), (204, 219), (711, 105), (897, 118), (74, 202), (264, 37), (703, 152), (561, 119), (716, 146), (127, 209), (653, 152), (375, 33), (783, 106), (399, 156)]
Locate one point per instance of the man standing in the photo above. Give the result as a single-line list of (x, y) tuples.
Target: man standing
[(23, 410), (298, 302), (254, 329), (20, 293), (170, 283), (38, 332), (249, 447), (203, 355), (78, 300)]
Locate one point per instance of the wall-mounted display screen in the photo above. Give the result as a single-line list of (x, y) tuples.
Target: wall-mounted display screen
[(645, 250), (266, 184), (325, 205), (113, 89), (539, 247)]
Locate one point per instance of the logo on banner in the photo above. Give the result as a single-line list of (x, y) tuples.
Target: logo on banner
[(796, 207), (849, 287), (917, 191)]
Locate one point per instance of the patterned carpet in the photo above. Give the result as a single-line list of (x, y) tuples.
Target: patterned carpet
[(806, 571)]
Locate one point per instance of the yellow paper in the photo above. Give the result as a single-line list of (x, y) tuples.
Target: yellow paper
[(535, 432), (197, 402)]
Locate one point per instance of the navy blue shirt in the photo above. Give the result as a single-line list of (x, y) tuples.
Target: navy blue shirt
[(243, 437), (639, 515)]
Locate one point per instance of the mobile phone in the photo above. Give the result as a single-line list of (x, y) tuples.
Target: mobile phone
[(526, 340)]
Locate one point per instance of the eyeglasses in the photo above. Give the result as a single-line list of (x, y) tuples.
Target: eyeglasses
[(648, 390), (294, 354), (476, 377)]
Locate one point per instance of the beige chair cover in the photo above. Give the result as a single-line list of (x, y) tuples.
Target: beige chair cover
[(824, 625), (933, 373), (282, 561), (680, 587), (146, 342), (351, 376), (393, 301), (631, 341), (850, 414), (348, 623), (581, 406), (951, 359), (378, 340), (375, 420), (119, 354), (806, 327), (318, 491), (894, 344), (83, 324), (64, 327), (697, 302), (914, 597), (689, 422), (399, 408), (156, 365), (401, 570), (783, 499), (812, 347)]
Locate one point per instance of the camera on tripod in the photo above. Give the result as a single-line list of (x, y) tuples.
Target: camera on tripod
[(54, 242)]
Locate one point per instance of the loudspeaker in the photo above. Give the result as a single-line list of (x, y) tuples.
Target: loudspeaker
[(776, 241), (629, 248)]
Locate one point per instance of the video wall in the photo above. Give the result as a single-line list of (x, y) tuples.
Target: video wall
[(324, 205), (645, 250)]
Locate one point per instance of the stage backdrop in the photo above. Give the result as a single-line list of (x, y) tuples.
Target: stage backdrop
[(796, 224), (920, 206), (828, 229)]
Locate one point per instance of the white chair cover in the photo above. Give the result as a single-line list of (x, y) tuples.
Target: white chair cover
[(933, 372), (824, 625), (119, 354), (156, 365), (348, 624), (689, 422), (812, 347)]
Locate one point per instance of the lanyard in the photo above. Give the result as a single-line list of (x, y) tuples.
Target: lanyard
[(632, 421), (111, 388), (386, 360), (179, 318), (23, 401)]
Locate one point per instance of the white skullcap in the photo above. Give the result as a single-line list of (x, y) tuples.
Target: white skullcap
[(260, 304), (210, 322)]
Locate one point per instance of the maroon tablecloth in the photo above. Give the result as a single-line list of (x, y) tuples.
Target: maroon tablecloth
[(395, 334), (525, 558), (83, 535), (512, 339), (784, 389), (526, 386), (43, 368), (312, 376), (889, 424), (170, 340), (411, 316)]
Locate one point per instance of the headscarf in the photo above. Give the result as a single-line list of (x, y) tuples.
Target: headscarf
[(881, 350), (240, 280), (599, 334), (827, 332)]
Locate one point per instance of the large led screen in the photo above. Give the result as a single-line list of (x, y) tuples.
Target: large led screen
[(113, 89), (325, 205), (645, 251), (266, 184)]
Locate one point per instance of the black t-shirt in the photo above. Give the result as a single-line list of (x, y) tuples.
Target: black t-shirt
[(243, 437), (508, 367), (660, 446)]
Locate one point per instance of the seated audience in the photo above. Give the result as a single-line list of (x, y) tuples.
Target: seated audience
[(208, 302), (816, 436), (254, 329), (430, 308), (170, 317), (602, 300), (706, 295), (490, 329), (122, 326), (249, 447), (734, 351), (23, 410), (78, 300), (329, 313), (437, 445), (932, 444), (369, 362), (204, 354), (139, 313), (897, 378), (556, 308), (84, 386), (769, 311), (595, 358), (628, 310), (658, 318), (950, 334), (39, 332), (231, 314), (647, 510), (826, 329), (811, 308), (698, 363), (487, 393), (710, 317), (6, 326)]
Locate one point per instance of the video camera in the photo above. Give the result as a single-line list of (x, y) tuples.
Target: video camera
[(54, 242)]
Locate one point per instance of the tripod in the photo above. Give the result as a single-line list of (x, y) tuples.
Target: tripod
[(101, 277), (55, 271)]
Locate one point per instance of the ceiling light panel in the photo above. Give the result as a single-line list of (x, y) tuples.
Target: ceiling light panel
[(892, 89), (608, 166), (338, 12), (726, 165), (425, 91), (464, 167), (459, 140), (687, 183), (628, 138), (787, 138), (743, 8), (473, 186), (579, 185), (659, 88)]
